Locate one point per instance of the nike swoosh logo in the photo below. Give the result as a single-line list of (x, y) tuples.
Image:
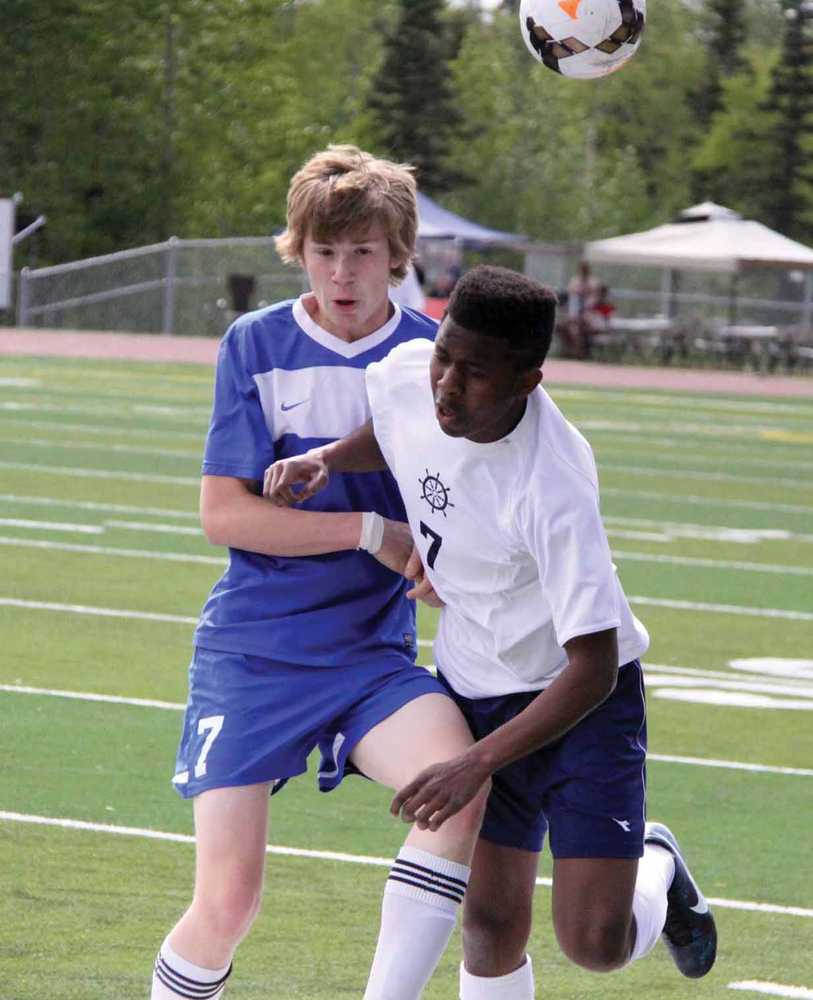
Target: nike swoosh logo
[(292, 406), (700, 907)]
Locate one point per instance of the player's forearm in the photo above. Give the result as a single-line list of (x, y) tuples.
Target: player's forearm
[(584, 684), (250, 523), (357, 452)]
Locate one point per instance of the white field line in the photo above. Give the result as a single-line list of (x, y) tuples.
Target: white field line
[(102, 550), (664, 498), (723, 609), (746, 567), (44, 375), (83, 609), (98, 446), (168, 529), (110, 508), (720, 477), (731, 609), (680, 529), (74, 471), (678, 402), (20, 383), (663, 449), (185, 414), (150, 432), (19, 522), (357, 859), (755, 429), (110, 699), (774, 685), (708, 532), (772, 989), (726, 765), (674, 441)]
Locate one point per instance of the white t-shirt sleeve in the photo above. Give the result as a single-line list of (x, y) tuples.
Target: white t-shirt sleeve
[(575, 565)]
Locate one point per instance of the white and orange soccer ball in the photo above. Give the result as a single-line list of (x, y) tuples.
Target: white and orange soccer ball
[(583, 39)]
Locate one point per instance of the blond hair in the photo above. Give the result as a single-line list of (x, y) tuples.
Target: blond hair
[(343, 190)]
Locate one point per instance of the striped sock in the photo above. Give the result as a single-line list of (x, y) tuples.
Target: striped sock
[(421, 900), (174, 977)]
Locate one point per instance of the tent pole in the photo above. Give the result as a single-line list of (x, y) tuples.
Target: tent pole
[(732, 299), (666, 288), (807, 302)]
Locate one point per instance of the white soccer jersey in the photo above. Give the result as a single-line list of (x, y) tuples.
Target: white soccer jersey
[(510, 534)]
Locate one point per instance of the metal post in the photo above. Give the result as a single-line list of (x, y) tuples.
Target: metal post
[(666, 290), (807, 302), (23, 298), (733, 292), (170, 274)]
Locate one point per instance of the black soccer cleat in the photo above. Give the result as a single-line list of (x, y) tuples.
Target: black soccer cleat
[(689, 932)]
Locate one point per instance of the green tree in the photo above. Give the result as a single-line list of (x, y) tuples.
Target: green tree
[(264, 91), (412, 97), (789, 194), (80, 136), (724, 35), (732, 163)]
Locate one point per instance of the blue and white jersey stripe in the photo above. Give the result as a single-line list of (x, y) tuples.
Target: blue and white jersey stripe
[(284, 385)]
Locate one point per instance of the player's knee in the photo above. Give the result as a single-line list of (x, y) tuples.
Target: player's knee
[(600, 946), (492, 931), (231, 912)]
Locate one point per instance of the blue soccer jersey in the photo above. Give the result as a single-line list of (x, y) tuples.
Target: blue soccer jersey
[(284, 385)]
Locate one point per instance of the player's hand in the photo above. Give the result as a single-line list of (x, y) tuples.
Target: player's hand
[(397, 546), (423, 589), (439, 792), (281, 477)]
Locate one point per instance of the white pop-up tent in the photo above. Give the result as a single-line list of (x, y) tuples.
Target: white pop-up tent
[(706, 237), (710, 238)]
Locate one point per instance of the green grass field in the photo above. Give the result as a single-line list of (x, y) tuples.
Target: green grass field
[(708, 503)]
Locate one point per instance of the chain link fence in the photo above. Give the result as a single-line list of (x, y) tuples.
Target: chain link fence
[(190, 287), (196, 287)]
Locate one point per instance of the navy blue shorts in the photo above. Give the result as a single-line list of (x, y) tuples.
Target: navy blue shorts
[(588, 788), (249, 719)]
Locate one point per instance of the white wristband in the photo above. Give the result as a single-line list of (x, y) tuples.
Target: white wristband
[(372, 532)]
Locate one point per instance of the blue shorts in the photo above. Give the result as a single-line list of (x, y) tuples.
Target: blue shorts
[(250, 720), (588, 788)]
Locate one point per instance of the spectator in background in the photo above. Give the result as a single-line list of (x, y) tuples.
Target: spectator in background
[(582, 293), (596, 319)]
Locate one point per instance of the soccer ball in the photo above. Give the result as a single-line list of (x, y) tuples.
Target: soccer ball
[(583, 39)]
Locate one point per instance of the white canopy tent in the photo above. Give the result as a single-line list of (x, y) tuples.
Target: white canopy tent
[(706, 237), (710, 238)]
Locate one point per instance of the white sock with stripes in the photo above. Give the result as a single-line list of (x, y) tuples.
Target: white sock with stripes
[(174, 977), (421, 900), (517, 985)]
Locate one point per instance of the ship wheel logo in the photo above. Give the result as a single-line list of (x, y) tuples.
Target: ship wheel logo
[(435, 493)]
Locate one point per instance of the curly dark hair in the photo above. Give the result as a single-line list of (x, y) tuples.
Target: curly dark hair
[(501, 303)]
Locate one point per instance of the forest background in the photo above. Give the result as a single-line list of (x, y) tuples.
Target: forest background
[(125, 123)]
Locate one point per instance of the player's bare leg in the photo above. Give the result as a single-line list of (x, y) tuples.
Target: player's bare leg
[(497, 924), (231, 826), (592, 910), (428, 879), (609, 911)]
